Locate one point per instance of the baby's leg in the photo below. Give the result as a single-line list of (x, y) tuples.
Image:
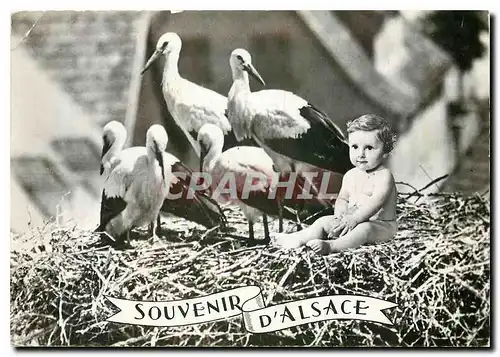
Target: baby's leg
[(317, 230), (365, 232)]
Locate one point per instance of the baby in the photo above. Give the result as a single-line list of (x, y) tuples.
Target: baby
[(365, 209)]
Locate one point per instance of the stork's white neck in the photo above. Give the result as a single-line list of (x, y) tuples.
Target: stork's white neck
[(241, 77), (240, 87), (171, 70), (236, 105)]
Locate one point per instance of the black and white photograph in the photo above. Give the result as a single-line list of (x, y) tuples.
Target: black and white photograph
[(250, 178)]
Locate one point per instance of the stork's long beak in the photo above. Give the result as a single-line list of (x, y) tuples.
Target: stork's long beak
[(105, 148), (156, 54), (159, 157), (203, 154), (253, 72)]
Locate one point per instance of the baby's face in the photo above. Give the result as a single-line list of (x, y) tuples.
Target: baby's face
[(366, 151)]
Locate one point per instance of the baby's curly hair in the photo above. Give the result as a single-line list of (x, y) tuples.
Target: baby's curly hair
[(369, 122)]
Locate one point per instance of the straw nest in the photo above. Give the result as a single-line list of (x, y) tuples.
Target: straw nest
[(437, 271)]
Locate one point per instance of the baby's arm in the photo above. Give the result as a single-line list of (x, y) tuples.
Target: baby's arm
[(341, 204), (383, 187), (342, 201)]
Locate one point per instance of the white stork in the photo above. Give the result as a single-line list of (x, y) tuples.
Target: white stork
[(114, 135), (190, 104), (249, 166), (295, 134), (127, 169), (135, 188)]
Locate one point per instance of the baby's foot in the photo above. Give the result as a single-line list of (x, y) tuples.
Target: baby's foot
[(288, 241), (319, 246)]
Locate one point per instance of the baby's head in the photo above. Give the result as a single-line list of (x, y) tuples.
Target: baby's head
[(370, 122), (371, 139)]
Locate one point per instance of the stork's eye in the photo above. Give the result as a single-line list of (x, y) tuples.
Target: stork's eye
[(239, 58), (164, 45)]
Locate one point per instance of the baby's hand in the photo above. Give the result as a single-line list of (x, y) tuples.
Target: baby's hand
[(346, 224), (334, 227), (350, 222)]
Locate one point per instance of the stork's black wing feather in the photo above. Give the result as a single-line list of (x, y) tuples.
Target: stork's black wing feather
[(230, 141), (110, 208), (200, 208), (314, 115), (323, 145)]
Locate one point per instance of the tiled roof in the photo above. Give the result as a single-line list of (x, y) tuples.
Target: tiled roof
[(90, 53)]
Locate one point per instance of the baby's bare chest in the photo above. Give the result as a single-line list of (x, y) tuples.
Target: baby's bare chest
[(363, 186)]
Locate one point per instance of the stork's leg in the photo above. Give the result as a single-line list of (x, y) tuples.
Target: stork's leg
[(265, 223), (250, 230), (154, 230), (280, 201), (280, 214), (297, 216), (158, 226)]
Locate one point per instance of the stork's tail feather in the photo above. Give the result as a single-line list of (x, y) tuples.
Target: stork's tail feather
[(201, 209), (212, 210), (312, 111), (195, 206)]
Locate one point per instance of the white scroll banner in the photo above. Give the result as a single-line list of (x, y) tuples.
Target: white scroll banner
[(247, 301)]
